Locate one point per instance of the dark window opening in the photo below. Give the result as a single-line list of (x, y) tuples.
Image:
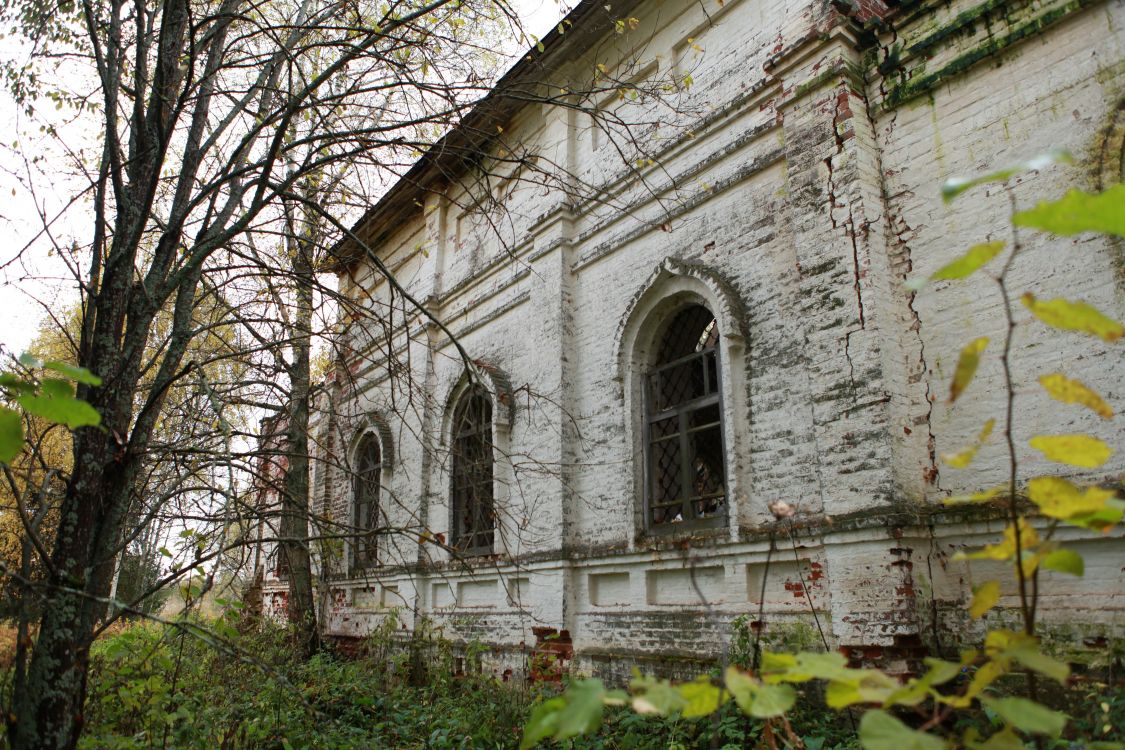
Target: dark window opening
[(685, 480), (368, 469), (279, 561), (474, 519)]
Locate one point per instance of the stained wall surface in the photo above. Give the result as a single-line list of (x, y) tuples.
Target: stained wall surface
[(781, 165)]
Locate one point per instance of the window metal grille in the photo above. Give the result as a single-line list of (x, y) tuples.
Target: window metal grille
[(474, 518), (369, 467), (685, 472)]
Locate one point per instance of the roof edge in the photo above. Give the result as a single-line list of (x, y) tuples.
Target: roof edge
[(450, 155)]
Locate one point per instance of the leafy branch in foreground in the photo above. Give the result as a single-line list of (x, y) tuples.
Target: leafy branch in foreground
[(44, 390), (916, 714)]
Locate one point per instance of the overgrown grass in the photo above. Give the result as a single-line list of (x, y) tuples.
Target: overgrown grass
[(154, 687)]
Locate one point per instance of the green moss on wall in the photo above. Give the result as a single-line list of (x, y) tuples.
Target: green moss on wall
[(921, 83)]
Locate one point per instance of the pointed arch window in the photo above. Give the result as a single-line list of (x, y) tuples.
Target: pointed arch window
[(365, 512), (685, 469), (474, 518)]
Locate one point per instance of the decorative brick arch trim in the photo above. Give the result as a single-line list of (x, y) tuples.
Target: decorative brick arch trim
[(673, 285), (495, 381), (373, 422)]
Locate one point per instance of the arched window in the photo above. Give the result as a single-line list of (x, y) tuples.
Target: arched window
[(365, 495), (474, 519), (685, 472)]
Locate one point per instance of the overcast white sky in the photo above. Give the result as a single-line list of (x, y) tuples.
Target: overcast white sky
[(39, 278)]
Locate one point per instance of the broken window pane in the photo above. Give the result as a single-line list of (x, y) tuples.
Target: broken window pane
[(685, 474)]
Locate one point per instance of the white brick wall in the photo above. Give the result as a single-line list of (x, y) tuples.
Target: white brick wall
[(807, 190)]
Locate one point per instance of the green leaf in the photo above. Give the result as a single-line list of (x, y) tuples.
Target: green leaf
[(583, 711), (77, 374), (1005, 739), (701, 698), (1065, 561), (1027, 715), (658, 697), (1078, 212), (804, 666), (940, 671), (954, 186), (878, 730), (967, 364), (1037, 661), (543, 723), (71, 412), (30, 362), (1076, 450), (1106, 518), (741, 687), (225, 630), (917, 690), (973, 259), (56, 388), (11, 435), (985, 597), (756, 699), (772, 700), (1074, 316), (15, 384), (862, 686)]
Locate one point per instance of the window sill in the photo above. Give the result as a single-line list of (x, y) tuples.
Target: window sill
[(675, 534)]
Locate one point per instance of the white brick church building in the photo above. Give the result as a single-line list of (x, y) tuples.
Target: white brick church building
[(650, 335)]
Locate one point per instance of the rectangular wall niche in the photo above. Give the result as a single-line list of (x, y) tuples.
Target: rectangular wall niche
[(441, 595), (391, 597), (476, 593), (364, 599), (783, 583), (676, 586), (608, 589)]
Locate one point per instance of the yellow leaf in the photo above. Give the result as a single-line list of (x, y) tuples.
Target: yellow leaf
[(963, 458), (1076, 450), (1061, 388), (985, 597), (1058, 498), (983, 496), (998, 642), (1005, 549), (1074, 316), (988, 673), (966, 367)]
